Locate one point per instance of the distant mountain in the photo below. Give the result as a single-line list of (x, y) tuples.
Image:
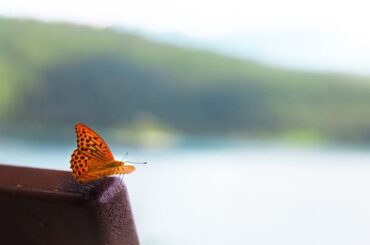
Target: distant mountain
[(55, 74)]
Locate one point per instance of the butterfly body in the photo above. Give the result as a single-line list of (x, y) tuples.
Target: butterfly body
[(92, 159)]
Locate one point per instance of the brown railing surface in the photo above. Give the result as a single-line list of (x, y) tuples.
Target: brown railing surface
[(40, 206)]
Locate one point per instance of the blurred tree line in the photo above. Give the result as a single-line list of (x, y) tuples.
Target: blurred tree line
[(53, 75)]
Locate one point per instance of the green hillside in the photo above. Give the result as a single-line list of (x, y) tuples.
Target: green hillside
[(55, 74)]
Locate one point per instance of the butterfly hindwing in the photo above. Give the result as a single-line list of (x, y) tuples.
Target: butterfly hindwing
[(79, 163)]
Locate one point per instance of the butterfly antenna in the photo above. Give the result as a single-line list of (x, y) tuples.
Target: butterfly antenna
[(137, 162)]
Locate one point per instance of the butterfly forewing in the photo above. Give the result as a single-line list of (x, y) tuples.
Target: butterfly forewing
[(91, 144)]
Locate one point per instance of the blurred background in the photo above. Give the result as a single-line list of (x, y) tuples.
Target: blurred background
[(254, 116)]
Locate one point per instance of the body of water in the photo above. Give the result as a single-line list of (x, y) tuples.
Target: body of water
[(247, 195)]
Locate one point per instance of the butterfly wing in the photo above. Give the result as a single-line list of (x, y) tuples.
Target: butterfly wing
[(81, 165), (91, 144)]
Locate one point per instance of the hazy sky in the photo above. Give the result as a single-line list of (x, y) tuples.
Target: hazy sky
[(345, 22)]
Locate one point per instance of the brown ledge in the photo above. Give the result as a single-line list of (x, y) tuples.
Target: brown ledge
[(40, 206)]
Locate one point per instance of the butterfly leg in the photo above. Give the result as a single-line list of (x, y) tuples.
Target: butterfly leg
[(119, 177)]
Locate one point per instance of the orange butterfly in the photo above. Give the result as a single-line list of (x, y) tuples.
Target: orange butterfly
[(93, 159)]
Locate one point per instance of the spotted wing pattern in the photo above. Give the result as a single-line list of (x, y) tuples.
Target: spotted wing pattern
[(91, 144), (81, 165)]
